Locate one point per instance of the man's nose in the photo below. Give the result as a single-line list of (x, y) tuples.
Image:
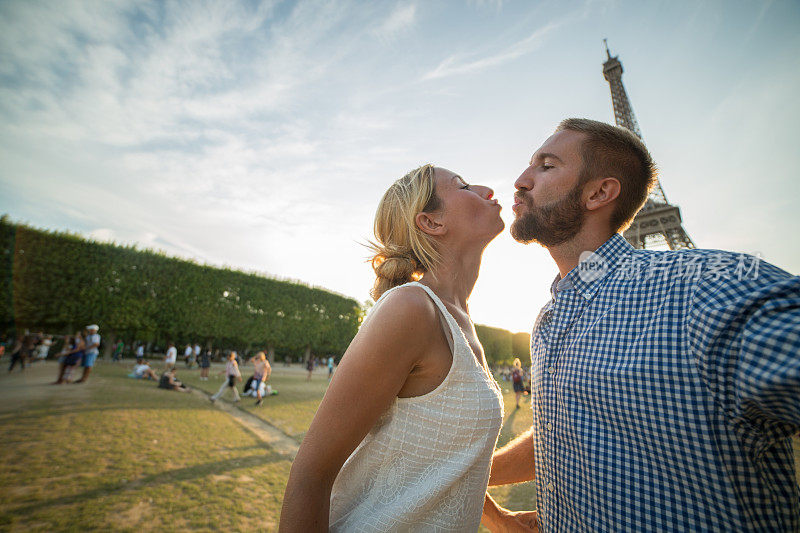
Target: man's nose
[(525, 180)]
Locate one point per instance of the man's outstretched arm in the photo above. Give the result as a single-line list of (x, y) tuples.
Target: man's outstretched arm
[(514, 462)]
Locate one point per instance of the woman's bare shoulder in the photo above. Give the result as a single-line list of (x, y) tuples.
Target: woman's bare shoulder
[(406, 317), (409, 302)]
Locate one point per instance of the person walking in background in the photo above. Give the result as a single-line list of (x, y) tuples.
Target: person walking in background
[(92, 349), (140, 353), (22, 351), (196, 353), (516, 380), (205, 364), (309, 367), (232, 375), (330, 367), (118, 347), (188, 354), (171, 356), (71, 355)]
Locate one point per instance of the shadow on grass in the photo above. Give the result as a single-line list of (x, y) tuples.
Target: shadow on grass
[(170, 476)]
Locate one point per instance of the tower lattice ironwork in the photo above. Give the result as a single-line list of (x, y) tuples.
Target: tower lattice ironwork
[(658, 223)]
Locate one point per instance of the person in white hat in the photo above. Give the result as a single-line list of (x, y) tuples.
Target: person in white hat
[(92, 349)]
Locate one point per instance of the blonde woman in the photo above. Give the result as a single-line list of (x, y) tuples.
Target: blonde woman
[(403, 438), (232, 375)]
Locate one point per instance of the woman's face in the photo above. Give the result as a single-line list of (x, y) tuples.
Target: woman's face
[(468, 209)]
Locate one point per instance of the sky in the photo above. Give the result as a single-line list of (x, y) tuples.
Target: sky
[(261, 135)]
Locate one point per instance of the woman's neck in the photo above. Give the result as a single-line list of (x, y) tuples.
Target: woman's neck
[(454, 279)]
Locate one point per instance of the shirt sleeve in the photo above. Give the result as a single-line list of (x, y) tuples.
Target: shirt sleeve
[(745, 337)]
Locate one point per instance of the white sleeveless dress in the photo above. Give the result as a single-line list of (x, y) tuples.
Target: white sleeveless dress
[(425, 464)]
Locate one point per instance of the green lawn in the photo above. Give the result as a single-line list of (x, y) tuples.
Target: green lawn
[(120, 454)]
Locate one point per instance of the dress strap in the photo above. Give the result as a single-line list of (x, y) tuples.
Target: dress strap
[(444, 317), (451, 328)]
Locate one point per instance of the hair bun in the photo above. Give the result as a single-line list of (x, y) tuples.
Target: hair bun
[(395, 267)]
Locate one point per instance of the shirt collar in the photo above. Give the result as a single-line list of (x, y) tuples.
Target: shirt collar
[(594, 267)]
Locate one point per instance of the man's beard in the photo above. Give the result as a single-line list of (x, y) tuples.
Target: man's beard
[(552, 224)]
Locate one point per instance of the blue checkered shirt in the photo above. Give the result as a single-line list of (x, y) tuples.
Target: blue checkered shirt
[(666, 389)]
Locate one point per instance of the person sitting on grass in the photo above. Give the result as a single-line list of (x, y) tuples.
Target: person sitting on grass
[(143, 371), (232, 375), (169, 382)]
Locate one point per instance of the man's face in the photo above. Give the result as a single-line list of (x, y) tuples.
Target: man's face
[(548, 205)]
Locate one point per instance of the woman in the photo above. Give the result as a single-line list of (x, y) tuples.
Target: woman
[(404, 436), (72, 355), (170, 382), (516, 379), (232, 375)]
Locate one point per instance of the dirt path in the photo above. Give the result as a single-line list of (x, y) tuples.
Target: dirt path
[(275, 438)]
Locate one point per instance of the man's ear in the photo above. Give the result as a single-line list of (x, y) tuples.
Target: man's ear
[(602, 192), (429, 223)]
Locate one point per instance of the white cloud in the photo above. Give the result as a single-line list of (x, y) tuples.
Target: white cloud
[(456, 65), (399, 20)]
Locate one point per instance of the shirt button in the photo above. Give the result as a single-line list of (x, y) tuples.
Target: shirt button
[(552, 369), (550, 486), (549, 426)]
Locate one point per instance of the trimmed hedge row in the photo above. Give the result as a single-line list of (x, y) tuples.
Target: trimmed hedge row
[(59, 282)]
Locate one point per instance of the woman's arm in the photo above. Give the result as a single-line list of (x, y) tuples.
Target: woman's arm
[(373, 370)]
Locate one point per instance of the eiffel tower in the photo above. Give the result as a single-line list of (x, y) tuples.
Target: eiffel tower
[(658, 223)]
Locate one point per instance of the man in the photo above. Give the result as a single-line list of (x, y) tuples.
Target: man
[(171, 357), (92, 349), (666, 385), (196, 353), (139, 354)]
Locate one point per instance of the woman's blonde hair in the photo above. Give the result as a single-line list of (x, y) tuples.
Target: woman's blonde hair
[(403, 252), (261, 356), (517, 363)]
